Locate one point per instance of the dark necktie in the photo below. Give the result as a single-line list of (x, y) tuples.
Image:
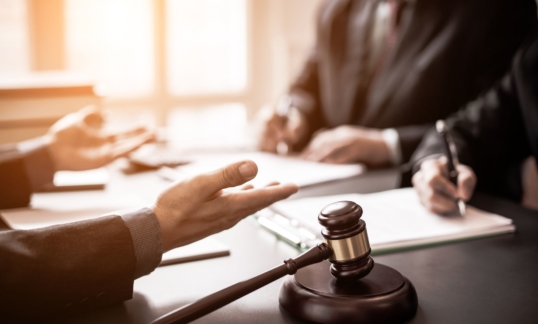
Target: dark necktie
[(389, 37), (379, 37)]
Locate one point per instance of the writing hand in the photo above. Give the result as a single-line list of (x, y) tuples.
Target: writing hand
[(290, 129), (191, 210), (435, 190)]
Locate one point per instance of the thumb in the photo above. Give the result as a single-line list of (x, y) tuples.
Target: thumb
[(91, 116), (230, 176)]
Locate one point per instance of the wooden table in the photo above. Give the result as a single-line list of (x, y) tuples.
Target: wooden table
[(491, 280)]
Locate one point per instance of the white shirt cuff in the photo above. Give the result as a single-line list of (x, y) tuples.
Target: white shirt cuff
[(392, 139)]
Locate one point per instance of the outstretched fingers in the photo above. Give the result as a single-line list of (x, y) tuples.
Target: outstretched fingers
[(249, 202), (126, 134), (230, 176), (126, 146)]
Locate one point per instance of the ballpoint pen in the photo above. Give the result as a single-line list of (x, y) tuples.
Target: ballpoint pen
[(283, 109), (452, 160)]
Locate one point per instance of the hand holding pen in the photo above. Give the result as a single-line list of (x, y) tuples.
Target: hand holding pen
[(452, 160), (283, 109), (284, 126), (442, 183)]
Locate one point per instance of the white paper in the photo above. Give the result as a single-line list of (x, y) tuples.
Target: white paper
[(89, 177), (395, 218), (60, 208), (271, 168)]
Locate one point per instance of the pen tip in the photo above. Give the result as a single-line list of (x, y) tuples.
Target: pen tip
[(462, 208)]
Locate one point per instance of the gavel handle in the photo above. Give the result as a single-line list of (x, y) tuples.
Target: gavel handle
[(225, 296)]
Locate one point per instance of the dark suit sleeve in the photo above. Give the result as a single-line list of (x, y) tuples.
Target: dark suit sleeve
[(486, 58), (65, 269), (491, 134), (24, 168), (410, 137)]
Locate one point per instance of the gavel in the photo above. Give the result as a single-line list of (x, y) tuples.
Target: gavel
[(347, 248)]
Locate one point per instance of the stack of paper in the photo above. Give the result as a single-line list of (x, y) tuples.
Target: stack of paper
[(396, 219)]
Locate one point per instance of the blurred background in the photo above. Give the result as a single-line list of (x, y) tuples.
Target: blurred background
[(200, 67)]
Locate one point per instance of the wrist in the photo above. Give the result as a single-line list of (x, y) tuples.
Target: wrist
[(163, 224), (392, 141), (52, 150)]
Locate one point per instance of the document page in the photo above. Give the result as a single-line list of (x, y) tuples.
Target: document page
[(271, 167), (396, 218), (59, 208)]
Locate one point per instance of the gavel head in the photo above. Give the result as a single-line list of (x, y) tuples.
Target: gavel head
[(345, 232)]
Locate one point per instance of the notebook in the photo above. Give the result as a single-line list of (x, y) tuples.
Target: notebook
[(395, 219)]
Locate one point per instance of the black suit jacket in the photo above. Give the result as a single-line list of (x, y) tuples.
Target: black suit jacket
[(65, 269), (496, 132), (446, 53)]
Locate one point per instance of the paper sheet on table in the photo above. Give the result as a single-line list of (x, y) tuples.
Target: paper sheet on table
[(396, 219), (89, 177), (59, 208), (271, 168)]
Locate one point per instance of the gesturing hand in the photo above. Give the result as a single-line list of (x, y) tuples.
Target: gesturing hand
[(78, 142), (196, 208), (435, 190), (347, 144)]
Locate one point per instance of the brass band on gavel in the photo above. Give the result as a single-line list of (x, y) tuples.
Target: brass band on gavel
[(349, 248)]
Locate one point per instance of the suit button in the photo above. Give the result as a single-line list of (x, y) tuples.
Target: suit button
[(85, 301), (103, 297)]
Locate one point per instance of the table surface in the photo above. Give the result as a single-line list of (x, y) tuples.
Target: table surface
[(489, 280)]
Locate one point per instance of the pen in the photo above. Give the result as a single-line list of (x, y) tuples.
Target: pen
[(452, 162), (283, 109)]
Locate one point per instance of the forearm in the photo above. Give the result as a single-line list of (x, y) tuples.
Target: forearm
[(77, 267), (65, 269), (147, 239)]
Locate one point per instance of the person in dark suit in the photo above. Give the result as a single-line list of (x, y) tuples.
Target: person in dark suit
[(76, 267), (383, 71), (494, 136)]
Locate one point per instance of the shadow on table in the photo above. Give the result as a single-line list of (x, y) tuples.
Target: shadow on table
[(289, 319), (137, 310)]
